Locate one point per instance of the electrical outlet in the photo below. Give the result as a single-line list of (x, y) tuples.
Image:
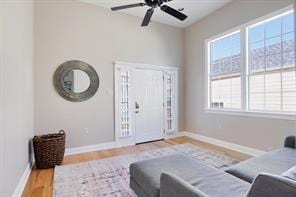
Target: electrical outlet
[(270, 148), (220, 126), (109, 92), (86, 131)]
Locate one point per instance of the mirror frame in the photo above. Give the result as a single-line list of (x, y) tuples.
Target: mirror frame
[(68, 66)]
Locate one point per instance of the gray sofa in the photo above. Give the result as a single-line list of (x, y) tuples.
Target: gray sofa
[(181, 176), (273, 162)]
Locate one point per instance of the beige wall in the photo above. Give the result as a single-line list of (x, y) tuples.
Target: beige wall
[(67, 31), (16, 91), (261, 133)]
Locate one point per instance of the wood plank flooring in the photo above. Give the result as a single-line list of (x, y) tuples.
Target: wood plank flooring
[(40, 183)]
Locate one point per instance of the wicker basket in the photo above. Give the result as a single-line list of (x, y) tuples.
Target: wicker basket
[(49, 149)]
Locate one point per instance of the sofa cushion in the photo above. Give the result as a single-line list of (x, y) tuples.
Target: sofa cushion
[(291, 173), (274, 162), (137, 189), (270, 185), (211, 181), (173, 186)]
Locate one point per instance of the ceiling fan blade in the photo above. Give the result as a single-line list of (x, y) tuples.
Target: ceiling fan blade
[(128, 6), (173, 12), (147, 17)]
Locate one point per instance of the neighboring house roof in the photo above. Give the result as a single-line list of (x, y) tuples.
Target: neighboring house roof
[(274, 58)]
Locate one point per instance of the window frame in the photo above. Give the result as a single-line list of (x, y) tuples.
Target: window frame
[(244, 111)]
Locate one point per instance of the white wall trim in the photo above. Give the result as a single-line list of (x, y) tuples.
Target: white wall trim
[(110, 145), (145, 66), (257, 114), (23, 181), (217, 142), (173, 135), (96, 147), (90, 148), (235, 147)]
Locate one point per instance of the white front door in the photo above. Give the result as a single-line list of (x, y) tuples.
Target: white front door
[(149, 118)]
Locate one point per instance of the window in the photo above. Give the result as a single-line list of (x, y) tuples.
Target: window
[(272, 65), (225, 72), (252, 69)]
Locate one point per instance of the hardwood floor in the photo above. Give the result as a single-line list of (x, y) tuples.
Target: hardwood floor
[(40, 183)]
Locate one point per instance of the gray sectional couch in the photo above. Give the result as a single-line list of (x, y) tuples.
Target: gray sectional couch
[(181, 176)]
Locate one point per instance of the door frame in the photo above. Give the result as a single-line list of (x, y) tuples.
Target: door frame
[(125, 66)]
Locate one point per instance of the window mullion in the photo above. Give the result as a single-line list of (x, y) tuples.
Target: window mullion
[(265, 63), (244, 69), (282, 63)]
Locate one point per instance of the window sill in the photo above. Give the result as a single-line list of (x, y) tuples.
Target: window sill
[(259, 114)]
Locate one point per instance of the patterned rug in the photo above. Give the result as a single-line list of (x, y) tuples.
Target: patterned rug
[(110, 177)]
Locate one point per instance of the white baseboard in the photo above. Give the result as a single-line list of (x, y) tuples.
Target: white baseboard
[(108, 145), (90, 148), (23, 181), (217, 142), (173, 135), (235, 147)]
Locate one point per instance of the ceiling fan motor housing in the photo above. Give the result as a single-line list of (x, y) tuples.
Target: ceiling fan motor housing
[(154, 3)]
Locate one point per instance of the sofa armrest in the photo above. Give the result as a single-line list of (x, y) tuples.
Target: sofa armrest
[(268, 185), (290, 142), (173, 186)]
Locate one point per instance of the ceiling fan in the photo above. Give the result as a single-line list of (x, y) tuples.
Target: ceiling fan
[(153, 4)]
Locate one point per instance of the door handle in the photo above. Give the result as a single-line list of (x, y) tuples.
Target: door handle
[(137, 106)]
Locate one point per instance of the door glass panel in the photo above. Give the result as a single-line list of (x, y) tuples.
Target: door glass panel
[(125, 104), (169, 100)]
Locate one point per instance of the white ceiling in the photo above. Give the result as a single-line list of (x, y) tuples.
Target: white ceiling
[(195, 9)]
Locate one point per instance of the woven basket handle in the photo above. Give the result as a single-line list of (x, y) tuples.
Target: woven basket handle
[(35, 138)]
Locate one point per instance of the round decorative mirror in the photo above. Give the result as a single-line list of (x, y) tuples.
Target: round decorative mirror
[(76, 81)]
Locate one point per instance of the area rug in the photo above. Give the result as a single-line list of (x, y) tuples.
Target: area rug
[(110, 177)]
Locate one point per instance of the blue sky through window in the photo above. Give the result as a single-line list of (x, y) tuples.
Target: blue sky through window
[(288, 23), (226, 47), (274, 28)]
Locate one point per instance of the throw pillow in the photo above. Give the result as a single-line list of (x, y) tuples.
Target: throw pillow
[(291, 173)]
